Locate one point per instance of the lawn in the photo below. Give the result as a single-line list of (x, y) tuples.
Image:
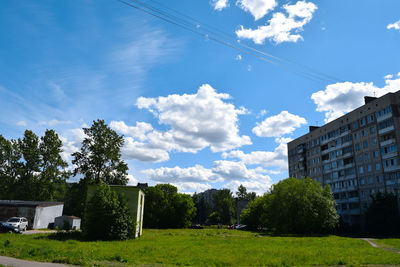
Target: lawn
[(208, 247)]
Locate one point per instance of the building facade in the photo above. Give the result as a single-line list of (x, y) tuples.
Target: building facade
[(40, 214), (356, 154)]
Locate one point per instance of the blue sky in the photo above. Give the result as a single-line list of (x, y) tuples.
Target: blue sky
[(194, 113)]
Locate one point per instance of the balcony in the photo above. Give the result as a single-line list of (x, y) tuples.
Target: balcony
[(391, 168), (384, 117), (389, 155), (386, 130), (387, 142)]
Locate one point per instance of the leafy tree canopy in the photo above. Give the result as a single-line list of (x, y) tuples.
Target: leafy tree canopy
[(294, 206), (166, 208), (100, 156)]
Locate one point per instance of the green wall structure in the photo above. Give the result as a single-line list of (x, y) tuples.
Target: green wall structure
[(135, 198)]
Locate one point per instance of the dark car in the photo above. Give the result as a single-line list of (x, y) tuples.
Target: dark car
[(196, 226), (6, 228)]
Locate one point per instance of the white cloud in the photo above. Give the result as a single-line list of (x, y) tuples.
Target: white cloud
[(132, 180), (177, 174), (258, 8), (282, 28), (395, 25), (276, 158), (190, 187), (198, 120), (143, 151), (139, 131), (72, 142), (233, 170), (340, 98), (219, 4), (54, 122), (238, 57), (198, 178), (21, 123), (278, 125)]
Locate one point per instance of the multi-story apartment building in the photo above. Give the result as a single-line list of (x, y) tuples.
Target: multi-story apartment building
[(356, 154)]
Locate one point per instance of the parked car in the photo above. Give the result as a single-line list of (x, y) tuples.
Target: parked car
[(7, 228), (19, 222), (196, 226)]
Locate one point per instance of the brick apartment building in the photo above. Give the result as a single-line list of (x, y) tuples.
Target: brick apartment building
[(356, 154)]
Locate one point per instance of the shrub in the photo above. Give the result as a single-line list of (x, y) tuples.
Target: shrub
[(294, 206), (107, 216)]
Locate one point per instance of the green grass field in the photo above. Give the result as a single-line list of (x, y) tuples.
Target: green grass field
[(208, 247)]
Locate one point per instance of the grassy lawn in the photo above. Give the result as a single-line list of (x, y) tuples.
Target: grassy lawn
[(389, 243), (208, 247)]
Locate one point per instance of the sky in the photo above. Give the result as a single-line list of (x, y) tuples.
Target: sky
[(194, 111)]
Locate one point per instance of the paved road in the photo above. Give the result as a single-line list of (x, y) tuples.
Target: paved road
[(7, 261)]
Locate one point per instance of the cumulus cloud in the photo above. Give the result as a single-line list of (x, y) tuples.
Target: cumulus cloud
[(198, 120), (278, 125), (177, 174), (198, 178), (139, 131), (340, 98), (72, 142), (219, 4), (395, 25), (276, 158), (132, 180), (258, 8), (281, 27)]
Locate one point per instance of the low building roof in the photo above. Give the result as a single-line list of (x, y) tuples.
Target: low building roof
[(24, 203)]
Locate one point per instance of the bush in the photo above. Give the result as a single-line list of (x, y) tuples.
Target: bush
[(107, 216), (294, 206)]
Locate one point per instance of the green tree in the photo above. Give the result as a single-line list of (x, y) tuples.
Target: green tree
[(166, 208), (10, 167), (30, 169), (35, 164), (295, 206), (99, 160), (382, 216), (51, 185), (107, 216), (256, 214), (100, 156), (224, 207), (242, 194)]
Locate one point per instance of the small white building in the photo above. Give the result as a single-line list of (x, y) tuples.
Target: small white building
[(73, 222), (40, 214)]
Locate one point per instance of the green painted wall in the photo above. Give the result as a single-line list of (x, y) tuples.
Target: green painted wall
[(135, 198)]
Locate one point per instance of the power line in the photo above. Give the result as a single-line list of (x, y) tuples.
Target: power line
[(210, 32)]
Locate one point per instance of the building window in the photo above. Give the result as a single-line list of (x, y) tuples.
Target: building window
[(372, 130), (364, 133), (358, 147), (377, 166), (361, 169), (370, 118), (356, 136), (369, 168), (360, 158), (355, 125), (376, 153), (379, 179), (370, 180), (362, 181), (363, 121), (365, 144), (374, 141), (367, 156)]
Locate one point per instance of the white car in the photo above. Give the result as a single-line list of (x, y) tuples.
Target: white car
[(20, 222)]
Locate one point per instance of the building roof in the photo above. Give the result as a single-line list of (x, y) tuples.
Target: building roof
[(24, 203)]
